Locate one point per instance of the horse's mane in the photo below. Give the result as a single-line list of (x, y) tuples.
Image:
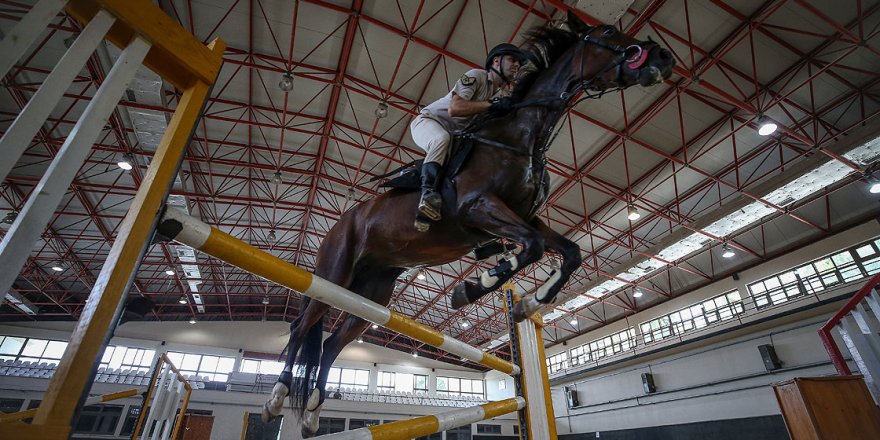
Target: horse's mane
[(543, 44)]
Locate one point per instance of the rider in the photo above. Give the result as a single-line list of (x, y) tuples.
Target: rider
[(477, 91)]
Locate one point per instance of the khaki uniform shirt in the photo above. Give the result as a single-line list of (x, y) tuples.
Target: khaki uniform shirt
[(474, 85)]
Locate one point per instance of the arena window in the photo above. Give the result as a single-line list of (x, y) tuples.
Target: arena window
[(127, 358), (348, 378), (31, 349), (606, 346), (261, 366), (557, 362), (854, 263), (216, 368), (716, 309), (456, 386), (405, 382)]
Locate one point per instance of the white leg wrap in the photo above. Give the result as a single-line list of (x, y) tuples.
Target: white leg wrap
[(275, 404), (311, 419), (314, 400), (545, 288), (488, 281)]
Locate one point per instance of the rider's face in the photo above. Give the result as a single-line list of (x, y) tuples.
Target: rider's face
[(508, 65)]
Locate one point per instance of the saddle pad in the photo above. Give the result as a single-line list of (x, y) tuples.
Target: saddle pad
[(411, 178)]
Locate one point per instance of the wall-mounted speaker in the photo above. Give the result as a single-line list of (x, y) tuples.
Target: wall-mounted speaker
[(736, 276), (648, 383), (572, 397), (768, 355)]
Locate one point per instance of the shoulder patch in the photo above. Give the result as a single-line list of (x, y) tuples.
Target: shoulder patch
[(468, 80)]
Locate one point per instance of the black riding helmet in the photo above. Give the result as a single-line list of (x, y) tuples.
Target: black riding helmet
[(501, 50), (505, 49)]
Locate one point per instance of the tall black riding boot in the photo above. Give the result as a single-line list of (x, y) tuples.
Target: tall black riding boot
[(431, 202)]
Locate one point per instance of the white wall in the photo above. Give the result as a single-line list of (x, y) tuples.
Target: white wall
[(719, 376)]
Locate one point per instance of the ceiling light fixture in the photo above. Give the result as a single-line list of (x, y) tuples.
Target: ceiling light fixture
[(766, 127), (192, 320), (637, 293), (286, 83), (873, 189), (726, 251), (125, 163), (465, 324), (632, 213), (351, 194), (276, 179), (360, 340), (58, 266), (415, 354), (10, 217), (170, 271), (265, 300), (271, 238), (573, 321), (381, 109), (421, 274), (374, 326), (182, 299)]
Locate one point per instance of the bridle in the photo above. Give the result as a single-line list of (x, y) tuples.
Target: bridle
[(632, 56)]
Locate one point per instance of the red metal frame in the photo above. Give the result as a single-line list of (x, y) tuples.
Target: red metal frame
[(825, 331)]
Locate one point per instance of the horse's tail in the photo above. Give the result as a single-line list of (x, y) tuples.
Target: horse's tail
[(305, 368)]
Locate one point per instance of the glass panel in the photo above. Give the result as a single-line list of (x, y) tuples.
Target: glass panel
[(209, 363), (190, 362), (250, 366), (34, 347), (333, 375), (55, 349), (226, 365), (347, 375), (866, 251), (362, 377)]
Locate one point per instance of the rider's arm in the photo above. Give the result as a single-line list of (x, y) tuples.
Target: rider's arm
[(463, 107)]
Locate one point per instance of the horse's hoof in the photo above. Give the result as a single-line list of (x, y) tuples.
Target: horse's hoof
[(421, 225), (460, 295), (266, 416)]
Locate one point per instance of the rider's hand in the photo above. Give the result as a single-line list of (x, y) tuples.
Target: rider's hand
[(502, 106)]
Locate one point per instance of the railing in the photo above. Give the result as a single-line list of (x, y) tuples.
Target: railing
[(858, 323)]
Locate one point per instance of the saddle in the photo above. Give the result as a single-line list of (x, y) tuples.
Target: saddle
[(409, 176)]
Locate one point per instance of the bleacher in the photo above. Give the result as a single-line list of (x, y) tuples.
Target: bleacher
[(405, 398), (105, 375)]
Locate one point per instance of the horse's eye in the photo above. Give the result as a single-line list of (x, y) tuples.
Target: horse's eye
[(609, 31)]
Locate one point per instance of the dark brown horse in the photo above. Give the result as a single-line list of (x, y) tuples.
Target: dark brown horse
[(496, 194)]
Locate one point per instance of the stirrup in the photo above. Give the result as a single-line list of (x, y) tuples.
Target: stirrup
[(429, 205)]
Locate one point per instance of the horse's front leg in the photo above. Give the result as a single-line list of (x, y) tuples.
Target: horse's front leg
[(491, 215), (546, 293), (571, 260)]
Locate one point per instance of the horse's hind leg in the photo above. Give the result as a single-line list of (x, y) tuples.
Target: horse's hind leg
[(494, 217), (299, 332), (373, 285), (334, 263)]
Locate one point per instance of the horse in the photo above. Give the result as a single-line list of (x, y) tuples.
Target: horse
[(496, 194)]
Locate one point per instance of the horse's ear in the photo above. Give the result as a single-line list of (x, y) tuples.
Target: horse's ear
[(575, 24)]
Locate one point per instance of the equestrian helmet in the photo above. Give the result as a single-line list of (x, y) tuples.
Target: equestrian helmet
[(504, 49)]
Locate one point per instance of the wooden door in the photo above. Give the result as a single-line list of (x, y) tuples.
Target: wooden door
[(196, 427)]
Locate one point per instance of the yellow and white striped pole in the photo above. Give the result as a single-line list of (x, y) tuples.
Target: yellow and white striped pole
[(426, 425), (185, 229)]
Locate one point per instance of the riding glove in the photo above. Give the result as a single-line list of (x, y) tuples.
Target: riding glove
[(502, 106)]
